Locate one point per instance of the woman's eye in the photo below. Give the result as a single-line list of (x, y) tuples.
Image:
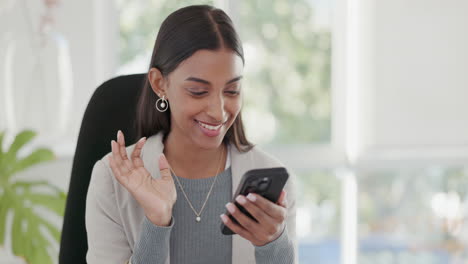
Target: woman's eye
[(232, 92), (198, 93)]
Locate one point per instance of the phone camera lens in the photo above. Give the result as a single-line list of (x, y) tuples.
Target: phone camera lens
[(263, 186)]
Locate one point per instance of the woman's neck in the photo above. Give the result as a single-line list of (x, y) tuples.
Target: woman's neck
[(192, 162)]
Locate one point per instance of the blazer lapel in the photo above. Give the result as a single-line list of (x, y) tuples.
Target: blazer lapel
[(242, 250), (150, 154)]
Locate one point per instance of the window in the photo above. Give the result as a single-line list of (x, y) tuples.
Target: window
[(288, 56), (413, 215), (318, 216)]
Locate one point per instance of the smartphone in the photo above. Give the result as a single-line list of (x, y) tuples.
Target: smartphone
[(265, 182)]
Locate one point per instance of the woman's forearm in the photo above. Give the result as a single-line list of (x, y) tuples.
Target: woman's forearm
[(153, 244), (279, 251)]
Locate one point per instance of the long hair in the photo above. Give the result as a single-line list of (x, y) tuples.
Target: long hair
[(182, 33)]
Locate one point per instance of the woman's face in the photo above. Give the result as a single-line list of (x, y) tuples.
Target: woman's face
[(204, 97)]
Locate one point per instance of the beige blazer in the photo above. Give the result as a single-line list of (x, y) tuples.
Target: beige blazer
[(113, 217)]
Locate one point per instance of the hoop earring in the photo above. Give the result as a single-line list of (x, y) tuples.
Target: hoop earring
[(163, 106)]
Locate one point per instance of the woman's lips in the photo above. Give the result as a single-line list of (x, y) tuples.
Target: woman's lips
[(209, 130), (210, 124)]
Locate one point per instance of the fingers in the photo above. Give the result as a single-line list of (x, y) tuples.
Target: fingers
[(119, 163), (123, 151), (245, 221), (275, 211), (270, 218), (121, 141), (117, 172), (256, 212), (121, 171), (239, 230), (164, 168), (266, 223), (282, 200), (136, 153)]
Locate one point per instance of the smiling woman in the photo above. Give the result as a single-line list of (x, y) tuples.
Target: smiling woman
[(188, 116), (212, 60), (203, 96)]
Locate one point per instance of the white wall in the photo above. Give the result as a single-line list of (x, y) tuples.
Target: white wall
[(412, 83), (91, 30)]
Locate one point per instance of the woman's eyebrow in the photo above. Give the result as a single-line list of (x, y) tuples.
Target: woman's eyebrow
[(194, 79), (235, 79)]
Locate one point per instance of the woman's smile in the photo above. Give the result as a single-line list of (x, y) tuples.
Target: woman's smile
[(210, 129)]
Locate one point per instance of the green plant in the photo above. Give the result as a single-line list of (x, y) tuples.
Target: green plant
[(26, 201)]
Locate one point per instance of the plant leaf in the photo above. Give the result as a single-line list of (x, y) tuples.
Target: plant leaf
[(38, 156), (30, 232), (9, 158), (2, 159), (35, 233), (18, 240), (31, 243), (54, 203), (54, 231), (28, 185), (21, 139), (2, 134), (4, 206)]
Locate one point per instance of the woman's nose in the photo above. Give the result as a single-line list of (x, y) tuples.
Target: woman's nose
[(216, 109)]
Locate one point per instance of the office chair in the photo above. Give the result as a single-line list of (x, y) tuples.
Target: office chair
[(112, 107)]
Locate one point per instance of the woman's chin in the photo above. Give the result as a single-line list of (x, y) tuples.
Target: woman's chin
[(208, 143)]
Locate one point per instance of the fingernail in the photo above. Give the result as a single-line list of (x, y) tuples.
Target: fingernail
[(251, 197), (223, 217), (142, 139), (241, 199), (230, 208), (118, 134)]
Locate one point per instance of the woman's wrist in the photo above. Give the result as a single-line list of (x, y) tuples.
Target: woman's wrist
[(160, 219)]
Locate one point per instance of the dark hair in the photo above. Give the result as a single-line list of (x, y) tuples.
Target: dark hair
[(182, 33)]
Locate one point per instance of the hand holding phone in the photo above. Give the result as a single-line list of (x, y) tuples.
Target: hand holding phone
[(265, 182)]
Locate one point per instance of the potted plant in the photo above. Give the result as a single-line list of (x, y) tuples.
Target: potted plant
[(23, 203)]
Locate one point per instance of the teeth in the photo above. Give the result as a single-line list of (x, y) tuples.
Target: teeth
[(208, 126)]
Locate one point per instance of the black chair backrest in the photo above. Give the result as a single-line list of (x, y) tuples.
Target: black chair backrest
[(112, 107)]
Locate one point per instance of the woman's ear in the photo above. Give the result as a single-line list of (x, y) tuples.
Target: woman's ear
[(157, 81)]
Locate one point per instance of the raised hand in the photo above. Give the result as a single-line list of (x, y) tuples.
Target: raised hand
[(155, 196)]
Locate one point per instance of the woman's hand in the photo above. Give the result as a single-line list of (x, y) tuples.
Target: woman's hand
[(155, 196), (271, 218)]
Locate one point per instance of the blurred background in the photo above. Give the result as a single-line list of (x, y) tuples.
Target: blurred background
[(366, 101)]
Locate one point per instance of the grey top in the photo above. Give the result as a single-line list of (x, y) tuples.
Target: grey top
[(201, 242), (114, 218), (190, 241)]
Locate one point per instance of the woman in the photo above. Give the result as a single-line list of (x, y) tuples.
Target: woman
[(189, 117)]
